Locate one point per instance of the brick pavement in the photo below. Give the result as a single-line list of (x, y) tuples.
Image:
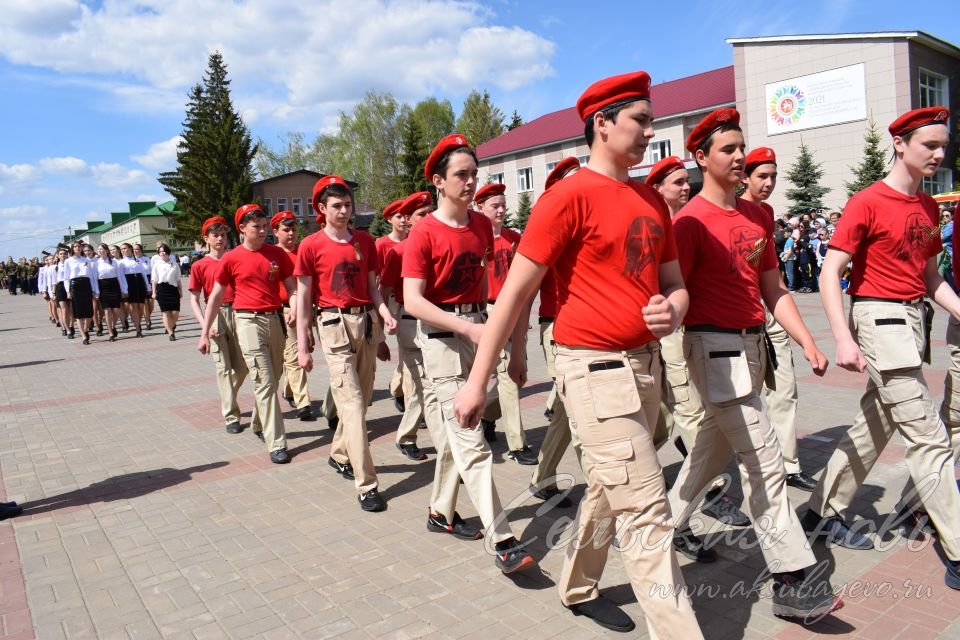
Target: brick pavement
[(146, 520)]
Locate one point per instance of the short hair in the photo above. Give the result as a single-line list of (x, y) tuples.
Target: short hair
[(708, 143), (440, 168), (334, 191), (249, 216), (609, 113), (217, 227), (163, 246)]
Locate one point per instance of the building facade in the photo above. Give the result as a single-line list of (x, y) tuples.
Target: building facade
[(144, 223)]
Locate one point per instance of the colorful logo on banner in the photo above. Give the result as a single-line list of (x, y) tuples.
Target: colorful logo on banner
[(787, 105)]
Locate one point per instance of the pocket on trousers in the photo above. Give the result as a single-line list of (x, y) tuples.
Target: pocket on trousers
[(905, 400), (333, 332), (727, 368), (441, 352), (896, 345), (609, 466), (679, 384), (614, 392)]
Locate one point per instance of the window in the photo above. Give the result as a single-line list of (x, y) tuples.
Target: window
[(657, 151), (298, 207), (496, 178), (584, 160), (267, 204), (940, 182), (281, 204), (551, 166), (933, 89), (524, 179)]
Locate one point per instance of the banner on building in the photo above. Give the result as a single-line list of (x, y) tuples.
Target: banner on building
[(816, 100)]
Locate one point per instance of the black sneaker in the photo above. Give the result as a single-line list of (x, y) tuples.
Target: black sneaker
[(549, 493), (399, 403), (438, 523), (722, 509), (801, 481), (489, 430), (836, 531), (234, 427), (304, 414), (807, 599), (952, 577), (548, 414), (605, 613), (372, 501), (682, 448), (511, 557), (524, 456), (691, 546), (10, 512), (346, 470), (279, 456), (259, 435), (412, 451)]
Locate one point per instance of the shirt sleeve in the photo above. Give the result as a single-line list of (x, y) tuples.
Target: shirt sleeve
[(121, 279), (416, 257), (853, 227), (225, 272), (94, 280), (549, 229), (687, 237), (195, 284)]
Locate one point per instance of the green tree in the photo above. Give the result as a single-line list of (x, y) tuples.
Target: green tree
[(214, 170), (519, 220), (435, 119), (515, 121), (873, 166), (413, 154), (807, 192), (480, 119)]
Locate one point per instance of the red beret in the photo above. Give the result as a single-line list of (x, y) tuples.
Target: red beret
[(415, 201), (662, 169), (244, 210), (759, 156), (560, 171), (488, 191), (319, 186), (447, 143), (281, 217), (209, 222), (918, 118), (710, 123), (603, 93), (392, 209)]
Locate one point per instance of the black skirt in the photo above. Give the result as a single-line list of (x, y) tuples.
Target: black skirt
[(136, 288), (81, 298), (168, 297), (60, 292), (110, 294)]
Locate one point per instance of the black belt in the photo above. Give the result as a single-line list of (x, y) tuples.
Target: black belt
[(892, 300), (350, 310), (404, 316), (711, 328), (249, 312), (545, 319), (602, 365), (466, 307)]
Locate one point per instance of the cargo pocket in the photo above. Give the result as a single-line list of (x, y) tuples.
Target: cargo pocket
[(613, 389), (895, 342), (441, 352), (679, 383), (726, 366), (904, 399), (333, 332), (609, 467)]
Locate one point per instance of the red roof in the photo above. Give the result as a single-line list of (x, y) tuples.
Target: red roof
[(693, 93)]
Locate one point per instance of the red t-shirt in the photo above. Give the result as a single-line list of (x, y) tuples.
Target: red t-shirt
[(452, 260), (504, 247), (384, 244), (891, 236), (606, 240), (203, 273), (339, 269), (548, 295), (254, 276), (291, 257), (722, 254), (390, 273)]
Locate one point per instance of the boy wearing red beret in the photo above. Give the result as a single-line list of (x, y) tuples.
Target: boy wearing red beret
[(400, 381), (610, 242), (891, 232)]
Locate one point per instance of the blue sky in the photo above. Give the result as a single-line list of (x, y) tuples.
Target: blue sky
[(94, 92)]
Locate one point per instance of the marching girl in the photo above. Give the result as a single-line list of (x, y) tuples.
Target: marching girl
[(83, 288), (147, 267), (165, 279), (60, 294), (136, 284), (113, 288), (91, 255)]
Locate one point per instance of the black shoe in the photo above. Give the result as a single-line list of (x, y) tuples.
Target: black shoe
[(952, 577), (836, 531), (63, 332), (372, 501), (126, 326), (99, 331), (691, 546), (289, 400), (234, 427), (511, 557), (438, 523), (279, 456), (605, 613), (422, 425), (305, 415), (346, 470), (173, 337), (259, 435), (139, 333), (10, 512), (801, 481), (412, 451), (489, 430), (722, 509), (72, 333), (86, 339), (524, 456), (333, 422), (549, 493), (149, 325), (809, 600), (548, 414), (8, 504), (682, 448), (399, 403), (113, 335)]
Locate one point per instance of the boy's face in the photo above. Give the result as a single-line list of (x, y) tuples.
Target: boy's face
[(926, 149), (460, 181), (724, 164), (629, 136), (495, 208), (675, 188), (254, 232), (338, 211), (762, 181), (400, 224), (419, 214), (286, 235), (216, 239)]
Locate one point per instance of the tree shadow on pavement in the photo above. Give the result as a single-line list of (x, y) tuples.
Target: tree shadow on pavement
[(30, 363), (122, 487)]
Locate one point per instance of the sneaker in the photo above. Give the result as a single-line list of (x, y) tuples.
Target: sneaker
[(489, 430), (10, 511), (548, 414), (691, 546), (304, 414), (372, 501), (952, 577), (173, 337), (801, 481), (259, 435), (438, 523), (836, 531), (605, 613), (234, 427), (412, 451), (810, 600), (511, 557), (346, 470), (722, 509), (549, 493), (399, 403), (524, 456), (279, 456)]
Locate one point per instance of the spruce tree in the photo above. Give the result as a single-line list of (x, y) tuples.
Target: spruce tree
[(213, 173), (519, 220), (480, 119), (807, 192), (873, 167), (515, 121)]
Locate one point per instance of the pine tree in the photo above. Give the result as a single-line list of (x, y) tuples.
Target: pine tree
[(379, 226), (519, 220), (214, 159), (480, 119), (413, 155), (515, 121), (873, 167), (807, 192)]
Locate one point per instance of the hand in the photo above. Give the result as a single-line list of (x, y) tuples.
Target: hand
[(305, 360), (383, 352), (660, 316), (818, 361), (291, 317), (469, 404), (850, 357), (517, 369), (203, 344), (474, 332), (213, 333), (390, 324)]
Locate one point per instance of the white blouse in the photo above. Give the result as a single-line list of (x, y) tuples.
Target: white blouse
[(163, 271), (110, 268), (132, 267), (82, 267)]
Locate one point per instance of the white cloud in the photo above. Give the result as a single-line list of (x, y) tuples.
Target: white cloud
[(67, 165), (161, 156), (114, 176), (24, 212), (17, 173)]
